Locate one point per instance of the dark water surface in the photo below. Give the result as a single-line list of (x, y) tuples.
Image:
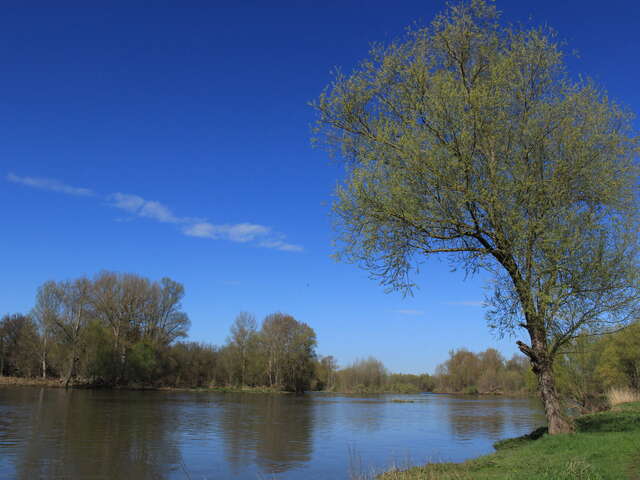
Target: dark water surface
[(102, 434)]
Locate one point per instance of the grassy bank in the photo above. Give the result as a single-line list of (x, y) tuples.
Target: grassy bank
[(605, 446)]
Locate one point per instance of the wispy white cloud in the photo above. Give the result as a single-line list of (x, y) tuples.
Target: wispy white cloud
[(240, 232), (410, 312), (201, 230), (137, 206), (50, 184), (281, 245), (467, 303), (144, 208), (244, 232)]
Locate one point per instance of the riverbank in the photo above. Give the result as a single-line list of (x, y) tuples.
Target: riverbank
[(59, 383), (225, 389), (605, 446), (31, 382)]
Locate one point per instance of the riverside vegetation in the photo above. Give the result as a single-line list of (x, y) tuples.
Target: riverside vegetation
[(120, 330), (125, 330)]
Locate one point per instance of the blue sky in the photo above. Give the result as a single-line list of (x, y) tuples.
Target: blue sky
[(175, 142)]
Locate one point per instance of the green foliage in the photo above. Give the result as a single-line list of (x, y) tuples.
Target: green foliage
[(468, 138), (142, 363), (325, 374), (103, 360), (620, 364), (242, 342), (94, 328), (367, 375), (191, 364), (109, 331), (371, 376), (290, 352), (485, 372), (587, 367), (19, 345), (590, 366), (577, 373), (402, 388), (471, 390)]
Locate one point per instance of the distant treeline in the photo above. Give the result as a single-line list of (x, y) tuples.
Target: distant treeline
[(464, 372), (123, 330), (587, 368)]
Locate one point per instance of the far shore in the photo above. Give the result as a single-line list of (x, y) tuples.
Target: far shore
[(80, 384)]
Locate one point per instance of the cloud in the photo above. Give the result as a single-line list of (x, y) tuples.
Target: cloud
[(144, 208), (410, 312), (51, 185), (137, 206), (244, 232), (130, 203), (280, 245), (241, 233), (201, 230), (468, 303)]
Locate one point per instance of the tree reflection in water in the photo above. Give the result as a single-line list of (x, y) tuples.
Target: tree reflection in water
[(494, 417), (105, 434), (275, 432), (66, 436)]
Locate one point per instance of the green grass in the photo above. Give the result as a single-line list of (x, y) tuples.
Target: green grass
[(605, 446)]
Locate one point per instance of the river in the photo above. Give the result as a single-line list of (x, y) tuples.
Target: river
[(107, 434)]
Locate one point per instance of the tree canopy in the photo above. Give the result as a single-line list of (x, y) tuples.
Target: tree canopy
[(470, 138)]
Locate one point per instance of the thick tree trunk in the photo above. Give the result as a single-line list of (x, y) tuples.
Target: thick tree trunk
[(547, 388), (542, 367)]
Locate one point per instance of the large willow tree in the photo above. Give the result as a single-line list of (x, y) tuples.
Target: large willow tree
[(469, 138)]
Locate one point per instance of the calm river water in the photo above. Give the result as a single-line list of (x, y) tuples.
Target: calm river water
[(101, 434)]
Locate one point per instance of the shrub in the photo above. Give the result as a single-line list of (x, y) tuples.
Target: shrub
[(471, 390)]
